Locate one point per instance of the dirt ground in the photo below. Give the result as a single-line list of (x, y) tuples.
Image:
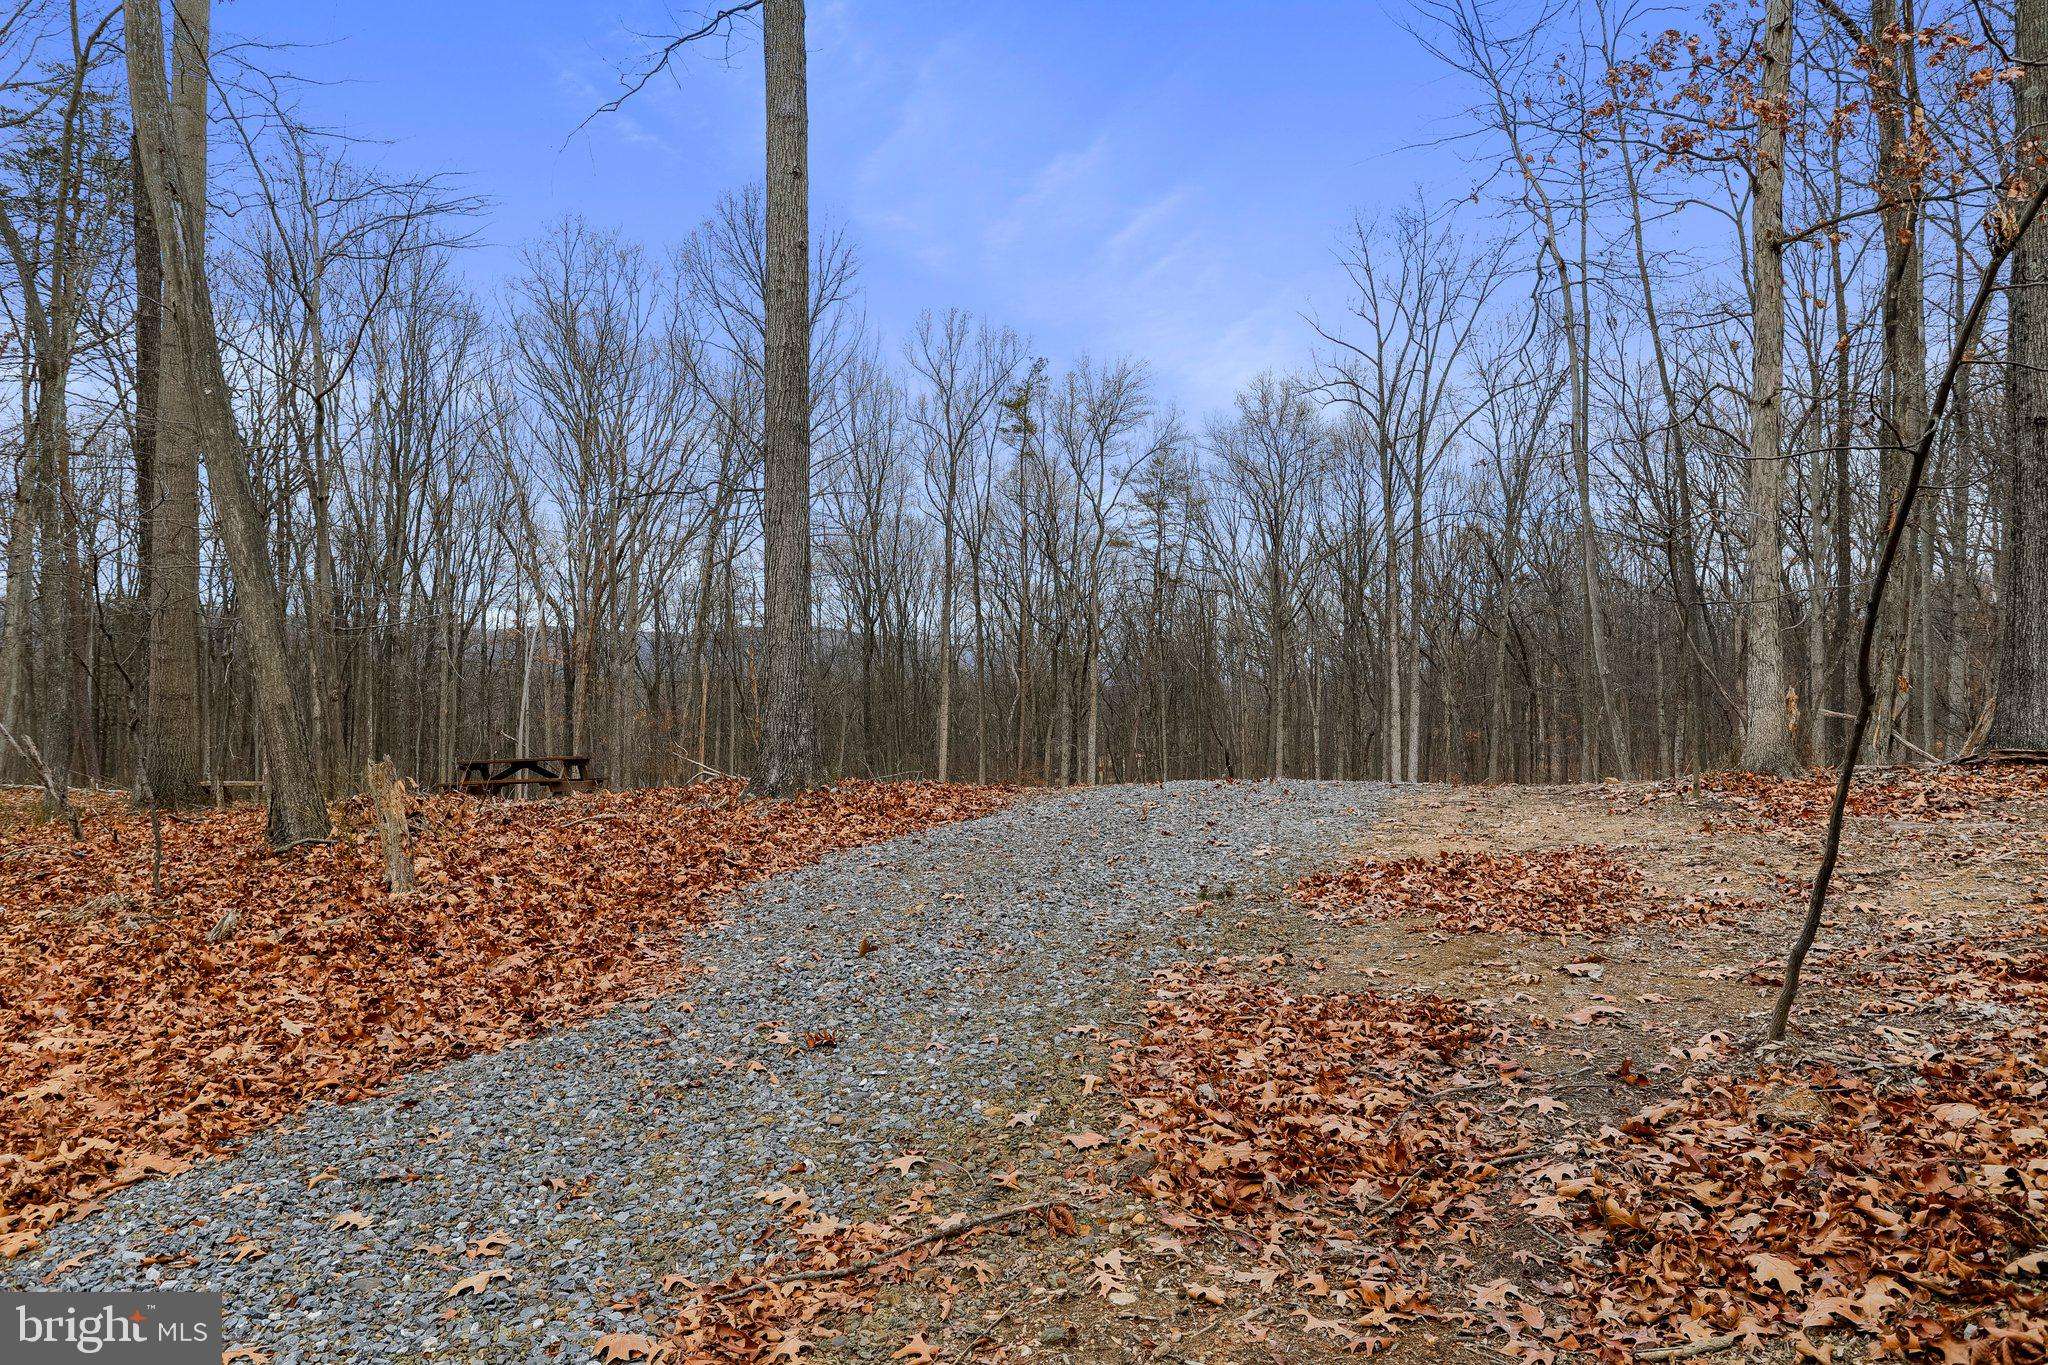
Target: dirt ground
[(1590, 1029)]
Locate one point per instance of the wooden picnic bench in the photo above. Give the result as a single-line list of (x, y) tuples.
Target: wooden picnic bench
[(226, 790), (559, 774)]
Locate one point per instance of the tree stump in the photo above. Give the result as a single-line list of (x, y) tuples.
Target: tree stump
[(387, 794)]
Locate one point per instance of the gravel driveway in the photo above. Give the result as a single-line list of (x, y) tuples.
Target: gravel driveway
[(607, 1156)]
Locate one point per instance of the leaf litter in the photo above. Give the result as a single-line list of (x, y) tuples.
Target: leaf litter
[(1576, 888), (137, 1037), (1342, 1170)]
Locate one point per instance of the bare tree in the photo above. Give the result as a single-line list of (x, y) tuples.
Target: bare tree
[(966, 369), (1273, 456), (298, 813), (55, 259)]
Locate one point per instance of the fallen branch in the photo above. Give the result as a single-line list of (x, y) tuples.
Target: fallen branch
[(52, 793), (858, 1267), (1931, 758), (1704, 1347), (1985, 758), (706, 770)]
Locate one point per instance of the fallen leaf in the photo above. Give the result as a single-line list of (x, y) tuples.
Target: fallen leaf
[(1775, 1272), (916, 1350), (477, 1283)]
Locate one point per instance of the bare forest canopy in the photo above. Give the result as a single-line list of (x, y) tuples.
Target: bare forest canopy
[(1538, 506)]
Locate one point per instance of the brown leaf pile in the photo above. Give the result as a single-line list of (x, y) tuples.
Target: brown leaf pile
[(830, 1267), (1901, 974), (1758, 801), (130, 1043), (1250, 1097), (1796, 1201), (1334, 1135), (1577, 888)]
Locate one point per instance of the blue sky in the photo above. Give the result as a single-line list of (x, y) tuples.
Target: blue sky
[(1165, 180)]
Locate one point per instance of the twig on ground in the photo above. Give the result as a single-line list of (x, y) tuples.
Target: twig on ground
[(1703, 1347), (858, 1267)]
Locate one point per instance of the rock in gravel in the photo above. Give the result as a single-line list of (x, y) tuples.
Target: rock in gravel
[(507, 1201)]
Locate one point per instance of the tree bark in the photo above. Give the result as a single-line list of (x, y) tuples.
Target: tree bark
[(149, 289), (172, 696), (56, 575), (21, 559), (297, 812), (1894, 89), (945, 717), (387, 795), (789, 742), (1766, 740), (2021, 718)]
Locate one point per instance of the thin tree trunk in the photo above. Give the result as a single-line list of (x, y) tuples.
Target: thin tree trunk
[(1766, 741), (21, 560), (945, 719), (1894, 84), (57, 574), (1843, 674)]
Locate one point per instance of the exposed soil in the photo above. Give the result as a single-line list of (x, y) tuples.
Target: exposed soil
[(1592, 1029)]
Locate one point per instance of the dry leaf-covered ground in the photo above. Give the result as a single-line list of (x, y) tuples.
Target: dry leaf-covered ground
[(1575, 888), (1488, 1086), (130, 1042), (1441, 1109)]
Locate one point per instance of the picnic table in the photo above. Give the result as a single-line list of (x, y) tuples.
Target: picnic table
[(560, 774)]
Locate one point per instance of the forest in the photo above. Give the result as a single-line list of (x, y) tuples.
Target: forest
[(1512, 523), (595, 798)]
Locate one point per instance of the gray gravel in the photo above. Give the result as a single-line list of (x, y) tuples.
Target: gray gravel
[(609, 1155)]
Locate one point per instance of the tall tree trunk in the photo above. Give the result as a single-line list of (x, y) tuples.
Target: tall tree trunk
[(945, 719), (2021, 718), (1578, 328), (56, 577), (1842, 680), (1766, 741), (1390, 612), (1276, 667), (21, 561), (1414, 760), (297, 812), (149, 322), (1894, 89), (173, 687), (789, 756), (1091, 674)]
